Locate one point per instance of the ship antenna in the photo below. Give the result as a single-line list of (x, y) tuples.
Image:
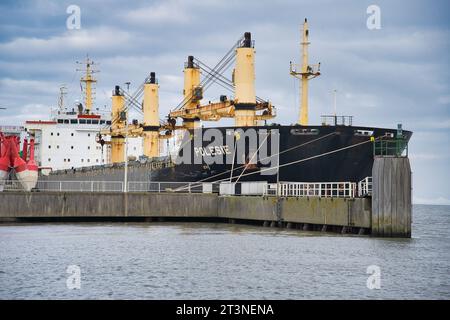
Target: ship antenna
[(335, 107), (62, 93), (89, 81), (305, 73)]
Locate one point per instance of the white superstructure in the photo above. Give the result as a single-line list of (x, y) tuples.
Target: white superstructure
[(68, 139)]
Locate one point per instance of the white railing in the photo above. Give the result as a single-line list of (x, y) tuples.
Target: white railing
[(66, 186), (256, 188), (365, 187), (113, 186), (81, 186), (180, 187), (312, 189)]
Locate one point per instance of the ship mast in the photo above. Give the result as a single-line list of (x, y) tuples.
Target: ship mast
[(306, 73), (89, 81)]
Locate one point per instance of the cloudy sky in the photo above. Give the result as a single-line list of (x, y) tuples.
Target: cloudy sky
[(397, 74)]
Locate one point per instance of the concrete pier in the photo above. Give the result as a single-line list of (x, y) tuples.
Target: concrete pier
[(387, 213), (353, 214)]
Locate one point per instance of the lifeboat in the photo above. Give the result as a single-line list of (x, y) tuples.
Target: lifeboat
[(32, 168), (4, 159), (26, 172)]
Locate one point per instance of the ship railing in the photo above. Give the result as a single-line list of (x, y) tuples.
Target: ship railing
[(365, 187), (311, 189), (334, 120)]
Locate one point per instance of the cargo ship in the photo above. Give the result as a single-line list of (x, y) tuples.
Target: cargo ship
[(252, 149)]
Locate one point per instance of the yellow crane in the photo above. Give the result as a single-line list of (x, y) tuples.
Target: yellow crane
[(246, 108)]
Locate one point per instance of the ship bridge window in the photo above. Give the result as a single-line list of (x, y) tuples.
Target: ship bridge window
[(297, 132), (60, 121), (108, 122), (102, 121), (88, 121), (73, 121), (94, 121), (66, 121), (82, 121)]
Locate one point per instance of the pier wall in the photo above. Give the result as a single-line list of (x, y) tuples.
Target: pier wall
[(391, 197), (316, 211)]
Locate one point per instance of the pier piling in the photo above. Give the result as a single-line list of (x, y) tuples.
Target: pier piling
[(391, 197)]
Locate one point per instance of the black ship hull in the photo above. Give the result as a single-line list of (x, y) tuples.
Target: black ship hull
[(306, 154)]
